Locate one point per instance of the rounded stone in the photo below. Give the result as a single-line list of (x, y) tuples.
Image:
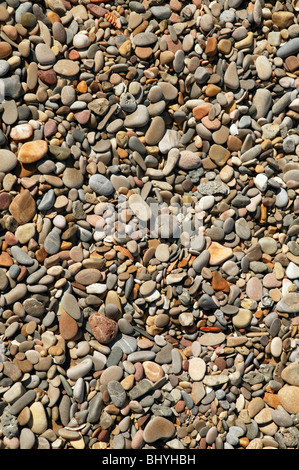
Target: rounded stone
[(104, 329), (8, 161), (197, 368), (243, 318), (44, 54), (158, 428), (72, 178), (68, 327), (101, 185), (80, 370), (189, 160), (288, 396), (38, 422), (290, 374)]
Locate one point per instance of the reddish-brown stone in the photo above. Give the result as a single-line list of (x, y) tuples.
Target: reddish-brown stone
[(68, 326), (104, 329), (200, 111), (171, 45), (96, 10), (82, 117), (220, 363), (23, 207), (47, 76), (234, 143), (219, 283), (143, 52), (5, 200), (104, 435), (211, 46), (74, 55), (180, 406)]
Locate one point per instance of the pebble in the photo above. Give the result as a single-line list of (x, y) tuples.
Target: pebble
[(8, 161), (158, 428), (148, 270)]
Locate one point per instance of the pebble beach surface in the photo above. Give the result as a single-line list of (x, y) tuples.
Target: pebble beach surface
[(121, 123)]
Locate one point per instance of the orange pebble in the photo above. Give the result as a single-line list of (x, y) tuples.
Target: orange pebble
[(53, 17), (122, 153), (41, 254), (82, 87), (65, 245), (244, 441), (74, 55), (271, 399)]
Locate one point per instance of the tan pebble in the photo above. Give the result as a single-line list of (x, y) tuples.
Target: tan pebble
[(153, 371), (264, 416), (128, 382), (38, 422), (255, 444)]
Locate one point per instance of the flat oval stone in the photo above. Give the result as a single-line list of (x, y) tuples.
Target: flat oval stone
[(288, 396), (15, 294), (263, 67), (32, 152), (111, 373), (101, 185), (44, 54), (189, 160), (158, 428), (197, 368), (80, 370), (147, 288), (68, 327), (138, 118), (67, 68), (162, 252), (243, 318), (254, 288), (23, 207), (276, 346), (117, 393), (8, 161), (145, 39), (153, 371), (211, 339), (39, 421), (140, 208), (290, 374), (21, 256), (72, 178), (88, 276)]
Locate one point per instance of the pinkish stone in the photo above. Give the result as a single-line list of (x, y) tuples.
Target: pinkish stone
[(139, 371), (47, 76), (50, 128), (254, 288), (104, 329), (211, 125), (137, 441), (189, 160), (270, 281), (82, 117), (5, 200), (95, 220)]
